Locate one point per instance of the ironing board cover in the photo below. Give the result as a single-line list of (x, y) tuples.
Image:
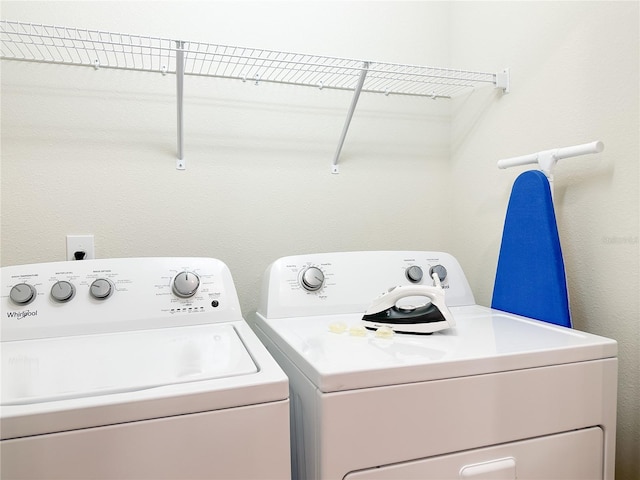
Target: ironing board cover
[(530, 277)]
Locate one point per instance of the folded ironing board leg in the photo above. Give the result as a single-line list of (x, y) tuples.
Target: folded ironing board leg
[(530, 277)]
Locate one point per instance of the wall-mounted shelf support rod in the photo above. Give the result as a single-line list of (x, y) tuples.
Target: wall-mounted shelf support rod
[(180, 162), (352, 108), (548, 159)]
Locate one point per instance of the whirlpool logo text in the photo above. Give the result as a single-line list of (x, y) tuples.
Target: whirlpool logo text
[(23, 314)]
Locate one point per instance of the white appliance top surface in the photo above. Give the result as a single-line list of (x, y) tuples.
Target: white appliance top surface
[(51, 369), (483, 341), (68, 383)]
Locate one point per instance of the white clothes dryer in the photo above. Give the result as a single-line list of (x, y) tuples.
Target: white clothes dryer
[(136, 369), (491, 395)]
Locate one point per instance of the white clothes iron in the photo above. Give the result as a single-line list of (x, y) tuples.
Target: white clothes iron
[(427, 318)]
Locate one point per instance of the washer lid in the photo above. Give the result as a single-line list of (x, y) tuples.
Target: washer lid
[(50, 369), (483, 341)]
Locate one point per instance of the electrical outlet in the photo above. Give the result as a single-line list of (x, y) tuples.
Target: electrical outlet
[(77, 244)]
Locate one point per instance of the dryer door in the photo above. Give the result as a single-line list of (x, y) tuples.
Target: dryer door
[(576, 455)]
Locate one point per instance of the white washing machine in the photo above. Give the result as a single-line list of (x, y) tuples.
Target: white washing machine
[(487, 395), (136, 368)]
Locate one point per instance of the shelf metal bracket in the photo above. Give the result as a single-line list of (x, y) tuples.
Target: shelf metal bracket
[(503, 81), (180, 162), (352, 108)]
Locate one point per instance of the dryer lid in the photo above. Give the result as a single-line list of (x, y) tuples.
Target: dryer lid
[(483, 341), (51, 369)]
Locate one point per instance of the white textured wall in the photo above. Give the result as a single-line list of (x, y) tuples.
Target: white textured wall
[(94, 152), (574, 80)]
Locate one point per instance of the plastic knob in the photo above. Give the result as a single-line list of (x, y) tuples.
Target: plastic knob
[(312, 279), (62, 291), (439, 270), (101, 289), (414, 274), (22, 294), (186, 284)]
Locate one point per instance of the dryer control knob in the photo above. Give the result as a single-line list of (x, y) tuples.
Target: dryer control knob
[(312, 279), (185, 284), (62, 291), (440, 270), (22, 294), (414, 273), (101, 289)]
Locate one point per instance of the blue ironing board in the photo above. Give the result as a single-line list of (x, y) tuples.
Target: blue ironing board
[(530, 277)]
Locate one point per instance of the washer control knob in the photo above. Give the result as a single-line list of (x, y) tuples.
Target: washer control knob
[(312, 279), (414, 273), (62, 291), (22, 294), (185, 284), (439, 270), (101, 289)]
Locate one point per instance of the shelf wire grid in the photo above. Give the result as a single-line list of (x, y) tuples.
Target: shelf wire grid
[(100, 49)]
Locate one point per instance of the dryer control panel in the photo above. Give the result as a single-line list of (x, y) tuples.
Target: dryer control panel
[(347, 282), (112, 295)]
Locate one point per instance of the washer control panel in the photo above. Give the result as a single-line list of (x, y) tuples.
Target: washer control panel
[(347, 282), (110, 295)]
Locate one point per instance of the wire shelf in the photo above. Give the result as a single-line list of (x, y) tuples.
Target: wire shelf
[(100, 49)]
